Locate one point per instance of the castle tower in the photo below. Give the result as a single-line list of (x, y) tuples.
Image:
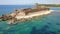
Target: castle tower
[(37, 6)]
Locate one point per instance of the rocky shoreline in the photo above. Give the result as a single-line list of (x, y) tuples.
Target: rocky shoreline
[(25, 14), (14, 20)]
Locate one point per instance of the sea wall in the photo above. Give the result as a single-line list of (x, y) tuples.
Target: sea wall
[(18, 18), (31, 15)]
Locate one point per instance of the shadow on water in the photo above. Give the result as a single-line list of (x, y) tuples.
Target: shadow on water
[(43, 30)]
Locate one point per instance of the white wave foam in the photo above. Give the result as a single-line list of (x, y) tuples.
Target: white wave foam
[(52, 10)]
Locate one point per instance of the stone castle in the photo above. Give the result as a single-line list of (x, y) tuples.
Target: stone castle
[(26, 11)]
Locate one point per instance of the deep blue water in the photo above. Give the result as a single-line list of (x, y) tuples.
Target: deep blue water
[(4, 9), (48, 24)]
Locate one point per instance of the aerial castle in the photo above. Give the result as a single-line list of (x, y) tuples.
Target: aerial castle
[(27, 11), (25, 14)]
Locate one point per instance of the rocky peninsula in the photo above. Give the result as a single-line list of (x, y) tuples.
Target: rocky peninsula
[(25, 14)]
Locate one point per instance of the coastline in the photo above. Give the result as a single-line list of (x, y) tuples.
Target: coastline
[(29, 17), (25, 14)]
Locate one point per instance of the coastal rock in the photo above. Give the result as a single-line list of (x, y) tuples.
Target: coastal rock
[(25, 14)]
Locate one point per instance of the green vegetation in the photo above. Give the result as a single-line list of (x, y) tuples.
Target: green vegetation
[(50, 5)]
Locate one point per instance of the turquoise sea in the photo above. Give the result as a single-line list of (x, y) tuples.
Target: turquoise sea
[(48, 24)]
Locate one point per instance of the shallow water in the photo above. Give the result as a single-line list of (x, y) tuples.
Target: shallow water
[(49, 24)]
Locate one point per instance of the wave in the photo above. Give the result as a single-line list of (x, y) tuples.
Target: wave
[(55, 10)]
